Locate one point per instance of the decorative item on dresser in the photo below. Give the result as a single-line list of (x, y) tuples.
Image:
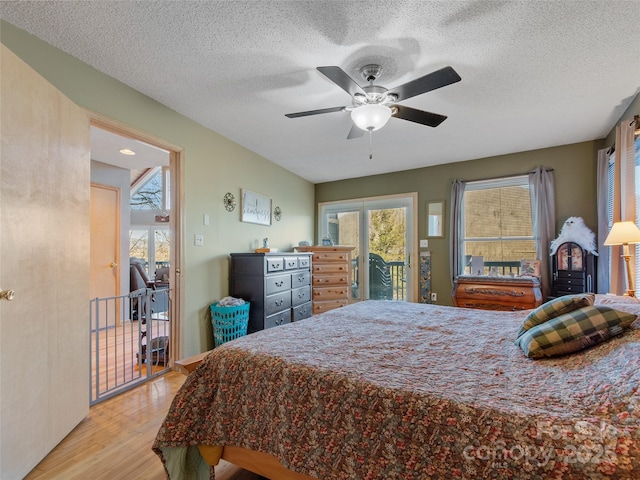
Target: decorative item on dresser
[(574, 270), (331, 276), (496, 293), (278, 286)]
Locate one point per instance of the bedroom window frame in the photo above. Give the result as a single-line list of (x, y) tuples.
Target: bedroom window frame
[(502, 266), (610, 197)]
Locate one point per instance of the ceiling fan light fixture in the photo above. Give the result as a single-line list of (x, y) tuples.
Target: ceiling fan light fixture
[(371, 117)]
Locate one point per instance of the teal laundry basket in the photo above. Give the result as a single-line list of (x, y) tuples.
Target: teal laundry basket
[(229, 322)]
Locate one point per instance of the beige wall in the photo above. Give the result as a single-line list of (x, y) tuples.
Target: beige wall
[(633, 109), (574, 173), (214, 165)]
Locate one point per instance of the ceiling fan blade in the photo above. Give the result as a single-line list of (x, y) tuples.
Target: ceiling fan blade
[(355, 132), (440, 78), (418, 116), (314, 112), (344, 81)]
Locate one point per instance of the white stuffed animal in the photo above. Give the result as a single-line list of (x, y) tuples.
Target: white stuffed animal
[(574, 230)]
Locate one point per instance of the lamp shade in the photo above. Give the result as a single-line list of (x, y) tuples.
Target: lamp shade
[(622, 233), (371, 117)]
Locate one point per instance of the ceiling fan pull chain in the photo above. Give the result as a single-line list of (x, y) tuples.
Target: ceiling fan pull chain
[(371, 144)]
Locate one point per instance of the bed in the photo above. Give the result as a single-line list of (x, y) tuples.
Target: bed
[(394, 390)]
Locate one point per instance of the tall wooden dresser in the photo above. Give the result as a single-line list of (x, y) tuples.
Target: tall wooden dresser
[(278, 286), (331, 276)]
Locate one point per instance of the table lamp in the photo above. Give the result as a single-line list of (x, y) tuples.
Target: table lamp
[(624, 233)]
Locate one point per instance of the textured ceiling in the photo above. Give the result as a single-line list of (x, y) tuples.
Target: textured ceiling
[(534, 73)]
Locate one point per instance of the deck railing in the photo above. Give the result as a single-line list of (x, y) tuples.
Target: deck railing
[(397, 272)]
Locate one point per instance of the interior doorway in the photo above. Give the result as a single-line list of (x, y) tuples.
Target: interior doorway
[(145, 309)]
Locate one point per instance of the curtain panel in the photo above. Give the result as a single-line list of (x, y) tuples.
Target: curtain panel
[(624, 201), (602, 180), (456, 258), (543, 216)]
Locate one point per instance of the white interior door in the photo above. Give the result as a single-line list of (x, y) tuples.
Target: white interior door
[(44, 258)]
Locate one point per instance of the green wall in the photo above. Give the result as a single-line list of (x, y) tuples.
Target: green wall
[(213, 166), (575, 185)]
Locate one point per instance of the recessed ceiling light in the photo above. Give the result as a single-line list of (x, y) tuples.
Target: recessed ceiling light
[(126, 151)]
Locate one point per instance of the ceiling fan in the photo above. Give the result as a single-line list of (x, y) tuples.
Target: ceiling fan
[(373, 105)]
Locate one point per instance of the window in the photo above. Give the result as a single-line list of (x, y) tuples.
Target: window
[(610, 187), (380, 229), (149, 236), (151, 192), (497, 224)]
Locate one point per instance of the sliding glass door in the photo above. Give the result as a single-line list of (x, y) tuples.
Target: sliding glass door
[(381, 230)]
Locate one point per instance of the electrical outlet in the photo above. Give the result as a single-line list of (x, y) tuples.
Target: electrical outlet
[(198, 240), (434, 297), (424, 243)]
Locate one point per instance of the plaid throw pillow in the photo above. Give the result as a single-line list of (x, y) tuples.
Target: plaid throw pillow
[(554, 308), (574, 331)]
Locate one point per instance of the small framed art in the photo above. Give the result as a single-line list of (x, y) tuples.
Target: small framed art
[(256, 208), (529, 268)]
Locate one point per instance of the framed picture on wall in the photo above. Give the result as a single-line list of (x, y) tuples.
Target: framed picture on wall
[(256, 208), (529, 268)]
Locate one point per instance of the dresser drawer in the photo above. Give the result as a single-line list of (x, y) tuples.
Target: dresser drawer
[(324, 306), (569, 289), (302, 311), (275, 264), (570, 275), (494, 305), (290, 263), (330, 293), (329, 268), (298, 279), (563, 283), (278, 283), (300, 295), (322, 257), (304, 262), (278, 319), (277, 302), (331, 279)]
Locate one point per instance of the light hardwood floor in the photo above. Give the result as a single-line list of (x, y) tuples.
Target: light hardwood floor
[(114, 441)]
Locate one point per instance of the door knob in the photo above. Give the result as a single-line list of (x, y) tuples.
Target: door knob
[(7, 295), (113, 264)]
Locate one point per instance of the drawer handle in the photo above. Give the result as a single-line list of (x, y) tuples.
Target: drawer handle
[(280, 283), (279, 321), (301, 295), (279, 302), (300, 279)]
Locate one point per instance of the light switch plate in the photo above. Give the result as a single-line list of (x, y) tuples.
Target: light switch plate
[(424, 243), (198, 240)]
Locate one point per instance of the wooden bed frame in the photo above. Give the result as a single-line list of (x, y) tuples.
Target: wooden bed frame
[(257, 462)]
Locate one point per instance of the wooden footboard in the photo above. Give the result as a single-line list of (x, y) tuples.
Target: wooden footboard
[(260, 463)]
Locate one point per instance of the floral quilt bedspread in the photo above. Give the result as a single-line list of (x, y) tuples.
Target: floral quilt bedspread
[(394, 390)]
